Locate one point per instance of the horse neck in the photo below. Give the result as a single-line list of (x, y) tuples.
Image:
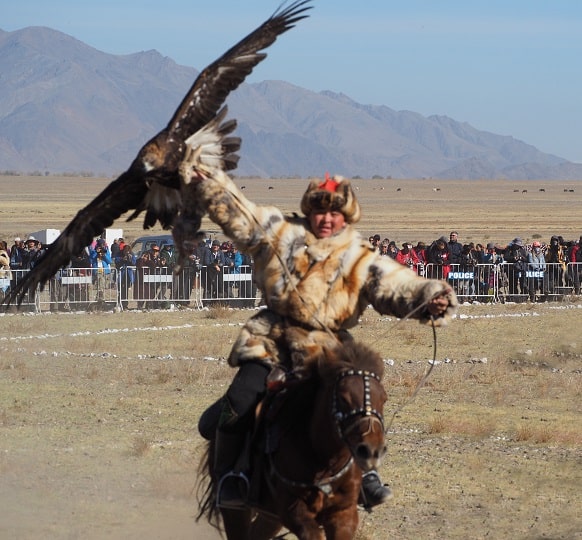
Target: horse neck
[(323, 432)]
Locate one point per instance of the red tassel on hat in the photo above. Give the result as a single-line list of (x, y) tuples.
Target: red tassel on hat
[(329, 184)]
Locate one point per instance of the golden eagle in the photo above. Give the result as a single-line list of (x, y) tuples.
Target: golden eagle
[(152, 182)]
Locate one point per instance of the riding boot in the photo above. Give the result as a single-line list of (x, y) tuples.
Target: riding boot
[(231, 463), (373, 492), (232, 484)]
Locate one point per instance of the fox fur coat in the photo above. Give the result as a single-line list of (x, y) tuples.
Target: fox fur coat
[(314, 288)]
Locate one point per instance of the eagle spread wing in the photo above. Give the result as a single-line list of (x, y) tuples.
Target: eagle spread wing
[(152, 182)]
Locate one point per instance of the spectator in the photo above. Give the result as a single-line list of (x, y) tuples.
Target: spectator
[(575, 257), (170, 255), (18, 245), (556, 259), (24, 260), (455, 248), (76, 294), (31, 253), (489, 276), (420, 251), (125, 265), (187, 278), (516, 255), (5, 273), (237, 260), (237, 288), (383, 251), (438, 257), (375, 241), (407, 256), (101, 264), (536, 271), (150, 263), (203, 252), (467, 266), (115, 249), (392, 250), (215, 261)]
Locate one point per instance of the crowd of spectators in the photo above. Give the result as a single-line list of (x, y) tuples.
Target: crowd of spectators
[(532, 270)]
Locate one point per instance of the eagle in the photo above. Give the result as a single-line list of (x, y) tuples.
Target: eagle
[(152, 182)]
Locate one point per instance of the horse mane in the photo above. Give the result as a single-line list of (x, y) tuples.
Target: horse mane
[(350, 355)]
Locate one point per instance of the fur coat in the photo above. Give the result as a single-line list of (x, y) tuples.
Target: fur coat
[(314, 289)]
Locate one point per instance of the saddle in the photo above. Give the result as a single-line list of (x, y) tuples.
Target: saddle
[(284, 409)]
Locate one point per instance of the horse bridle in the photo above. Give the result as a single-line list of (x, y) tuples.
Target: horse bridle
[(365, 411)]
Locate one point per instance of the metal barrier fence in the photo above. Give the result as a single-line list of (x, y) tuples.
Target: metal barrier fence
[(509, 282), (80, 289)]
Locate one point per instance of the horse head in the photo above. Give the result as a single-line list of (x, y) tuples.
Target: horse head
[(357, 397)]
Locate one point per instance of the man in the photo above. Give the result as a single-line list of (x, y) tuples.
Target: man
[(439, 258), (516, 255), (455, 248), (556, 259), (317, 275), (170, 255), (215, 260)]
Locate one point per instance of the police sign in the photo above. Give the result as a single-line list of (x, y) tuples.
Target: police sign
[(461, 275)]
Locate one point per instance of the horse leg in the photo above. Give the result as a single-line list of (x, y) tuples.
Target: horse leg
[(237, 523), (302, 523), (264, 527), (342, 525)]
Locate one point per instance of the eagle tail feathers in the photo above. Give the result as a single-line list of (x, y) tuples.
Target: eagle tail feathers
[(214, 148)]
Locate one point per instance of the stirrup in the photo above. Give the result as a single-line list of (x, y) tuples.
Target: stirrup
[(232, 494)]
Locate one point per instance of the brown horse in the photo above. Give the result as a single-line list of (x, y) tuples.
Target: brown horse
[(315, 439)]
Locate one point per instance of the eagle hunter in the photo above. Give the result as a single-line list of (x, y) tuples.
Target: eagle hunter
[(152, 183)]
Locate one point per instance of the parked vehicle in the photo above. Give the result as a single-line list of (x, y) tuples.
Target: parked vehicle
[(143, 243)]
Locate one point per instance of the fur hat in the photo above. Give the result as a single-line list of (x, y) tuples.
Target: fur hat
[(334, 194)]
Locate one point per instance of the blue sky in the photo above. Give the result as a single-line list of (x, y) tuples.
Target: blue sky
[(512, 67)]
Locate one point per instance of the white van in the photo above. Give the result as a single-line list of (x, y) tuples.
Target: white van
[(143, 243)]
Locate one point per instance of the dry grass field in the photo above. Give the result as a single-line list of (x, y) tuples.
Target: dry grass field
[(98, 411), (482, 211)]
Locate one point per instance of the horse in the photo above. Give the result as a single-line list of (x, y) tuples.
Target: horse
[(314, 438)]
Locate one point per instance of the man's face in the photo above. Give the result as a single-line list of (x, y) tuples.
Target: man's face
[(453, 237), (325, 223)]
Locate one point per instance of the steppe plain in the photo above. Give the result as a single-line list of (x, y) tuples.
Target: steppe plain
[(98, 411)]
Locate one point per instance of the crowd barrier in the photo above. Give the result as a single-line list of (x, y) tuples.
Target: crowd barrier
[(509, 282), (80, 289)]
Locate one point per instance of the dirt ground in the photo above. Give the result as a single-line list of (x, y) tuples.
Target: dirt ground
[(98, 420)]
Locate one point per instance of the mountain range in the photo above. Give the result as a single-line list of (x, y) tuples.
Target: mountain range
[(66, 107)]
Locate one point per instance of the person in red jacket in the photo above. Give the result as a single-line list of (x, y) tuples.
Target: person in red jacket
[(408, 257)]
